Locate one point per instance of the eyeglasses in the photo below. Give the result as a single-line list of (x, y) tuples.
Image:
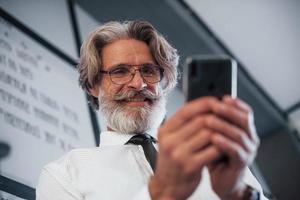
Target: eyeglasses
[(123, 74)]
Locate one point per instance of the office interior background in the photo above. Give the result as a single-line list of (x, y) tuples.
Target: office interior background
[(44, 113)]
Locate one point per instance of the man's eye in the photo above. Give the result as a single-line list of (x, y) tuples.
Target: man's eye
[(149, 70), (119, 71)]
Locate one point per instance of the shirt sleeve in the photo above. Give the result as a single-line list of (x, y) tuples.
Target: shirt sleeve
[(252, 181), (53, 187)]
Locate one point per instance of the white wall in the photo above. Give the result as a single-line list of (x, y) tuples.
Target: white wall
[(50, 19), (42, 79)]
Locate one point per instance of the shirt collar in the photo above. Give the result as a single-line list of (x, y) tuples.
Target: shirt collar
[(113, 138)]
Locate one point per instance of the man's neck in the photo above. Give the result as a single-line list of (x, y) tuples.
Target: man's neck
[(151, 132)]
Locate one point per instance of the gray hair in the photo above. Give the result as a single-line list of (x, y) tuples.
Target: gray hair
[(90, 53)]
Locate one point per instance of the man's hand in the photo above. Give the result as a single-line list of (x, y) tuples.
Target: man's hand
[(198, 135), (184, 149), (238, 140)]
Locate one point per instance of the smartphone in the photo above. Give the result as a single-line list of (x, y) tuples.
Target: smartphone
[(209, 75)]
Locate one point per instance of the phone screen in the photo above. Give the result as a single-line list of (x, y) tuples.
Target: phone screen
[(210, 76)]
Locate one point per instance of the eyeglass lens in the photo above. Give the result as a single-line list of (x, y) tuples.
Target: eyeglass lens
[(124, 74)]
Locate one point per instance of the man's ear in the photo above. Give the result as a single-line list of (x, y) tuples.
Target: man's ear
[(94, 91)]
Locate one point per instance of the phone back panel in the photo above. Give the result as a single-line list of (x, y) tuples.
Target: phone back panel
[(210, 76)]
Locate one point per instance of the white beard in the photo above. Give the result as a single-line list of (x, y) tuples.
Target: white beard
[(132, 120)]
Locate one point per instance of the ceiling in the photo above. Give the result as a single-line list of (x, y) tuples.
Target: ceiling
[(264, 35)]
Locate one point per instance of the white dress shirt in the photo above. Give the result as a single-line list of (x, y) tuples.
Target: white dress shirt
[(112, 171)]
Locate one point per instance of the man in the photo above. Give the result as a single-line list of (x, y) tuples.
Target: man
[(127, 69)]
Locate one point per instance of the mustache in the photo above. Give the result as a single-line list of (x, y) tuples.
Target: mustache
[(130, 94)]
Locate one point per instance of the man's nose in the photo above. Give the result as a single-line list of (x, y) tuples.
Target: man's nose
[(137, 82)]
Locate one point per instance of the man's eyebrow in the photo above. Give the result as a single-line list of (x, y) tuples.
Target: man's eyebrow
[(128, 64), (116, 66)]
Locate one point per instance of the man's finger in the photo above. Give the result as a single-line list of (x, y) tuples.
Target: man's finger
[(231, 131), (235, 152), (202, 158), (191, 127), (238, 103), (233, 115), (197, 143), (242, 115), (189, 111)]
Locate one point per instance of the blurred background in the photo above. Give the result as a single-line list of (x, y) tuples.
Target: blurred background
[(44, 113)]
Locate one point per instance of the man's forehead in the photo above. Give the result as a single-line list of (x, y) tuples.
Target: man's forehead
[(126, 51)]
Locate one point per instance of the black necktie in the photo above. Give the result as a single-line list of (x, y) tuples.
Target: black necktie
[(149, 150)]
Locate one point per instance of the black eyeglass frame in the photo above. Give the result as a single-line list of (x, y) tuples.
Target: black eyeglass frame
[(161, 72)]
